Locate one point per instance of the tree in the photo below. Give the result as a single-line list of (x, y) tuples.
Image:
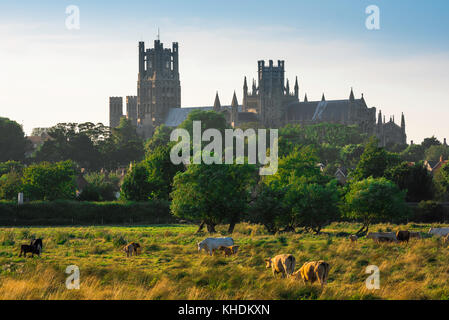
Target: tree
[(308, 198), (13, 143), (161, 171), (414, 179), (213, 194), (413, 153), (313, 204), (441, 178), (8, 166), (433, 153), (269, 208), (100, 187), (374, 200), (351, 153), (136, 186), (428, 142), (10, 185), (161, 137), (46, 181), (374, 161), (128, 146)]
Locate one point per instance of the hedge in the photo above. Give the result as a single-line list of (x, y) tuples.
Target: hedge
[(51, 213)]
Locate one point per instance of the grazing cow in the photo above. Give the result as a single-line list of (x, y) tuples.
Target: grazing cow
[(212, 244), (229, 250), (25, 248), (446, 239), (37, 243), (283, 263), (416, 235), (382, 236), (403, 236), (314, 271), (131, 248), (353, 238), (439, 231)]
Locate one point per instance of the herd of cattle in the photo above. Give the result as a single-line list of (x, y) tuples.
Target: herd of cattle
[(283, 263)]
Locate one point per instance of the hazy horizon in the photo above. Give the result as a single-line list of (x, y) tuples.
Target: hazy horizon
[(51, 74)]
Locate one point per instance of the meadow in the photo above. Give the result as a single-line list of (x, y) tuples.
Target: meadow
[(170, 267)]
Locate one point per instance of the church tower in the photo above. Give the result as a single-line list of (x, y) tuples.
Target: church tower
[(158, 85)]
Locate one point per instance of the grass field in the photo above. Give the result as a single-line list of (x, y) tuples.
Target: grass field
[(170, 267)]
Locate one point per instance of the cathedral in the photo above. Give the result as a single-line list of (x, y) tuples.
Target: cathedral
[(270, 102)]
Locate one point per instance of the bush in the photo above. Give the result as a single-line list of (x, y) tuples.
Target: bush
[(429, 211), (64, 212)]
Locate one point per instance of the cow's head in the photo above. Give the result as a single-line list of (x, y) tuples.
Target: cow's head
[(268, 263)]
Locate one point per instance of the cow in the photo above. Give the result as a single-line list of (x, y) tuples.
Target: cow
[(416, 235), (382, 236), (314, 271), (446, 239), (403, 236), (25, 248), (37, 243), (353, 238), (439, 231), (131, 248), (229, 250), (283, 263), (212, 244)]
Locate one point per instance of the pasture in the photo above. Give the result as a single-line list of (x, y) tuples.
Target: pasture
[(170, 267)]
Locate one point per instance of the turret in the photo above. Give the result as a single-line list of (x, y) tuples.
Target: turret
[(379, 118), (305, 98), (403, 122), (287, 88), (323, 98), (296, 88), (351, 96), (254, 89), (245, 94), (234, 110), (217, 105)]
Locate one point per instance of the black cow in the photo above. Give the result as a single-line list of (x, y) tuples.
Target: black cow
[(25, 248), (37, 243)]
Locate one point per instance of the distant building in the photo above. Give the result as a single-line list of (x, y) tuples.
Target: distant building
[(434, 166), (269, 103)]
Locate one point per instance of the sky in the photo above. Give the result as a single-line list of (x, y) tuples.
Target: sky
[(51, 74)]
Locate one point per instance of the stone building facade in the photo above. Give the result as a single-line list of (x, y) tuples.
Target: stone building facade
[(270, 102)]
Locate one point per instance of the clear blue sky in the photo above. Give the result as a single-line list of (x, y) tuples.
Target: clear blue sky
[(412, 45)]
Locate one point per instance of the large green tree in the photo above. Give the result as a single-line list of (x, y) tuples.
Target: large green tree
[(415, 179), (213, 194), (374, 161), (13, 143), (373, 200), (50, 181)]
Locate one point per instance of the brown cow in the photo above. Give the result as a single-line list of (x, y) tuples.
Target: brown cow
[(353, 238), (403, 236), (132, 248), (314, 271), (25, 248), (283, 263), (229, 250)]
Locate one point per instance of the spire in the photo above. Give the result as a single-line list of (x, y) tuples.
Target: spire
[(305, 98), (245, 86), (379, 119), (158, 34), (384, 118), (234, 103), (287, 88), (363, 99), (254, 86), (296, 87), (323, 98), (217, 105), (351, 96), (403, 121)]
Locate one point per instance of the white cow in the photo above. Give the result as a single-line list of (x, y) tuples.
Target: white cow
[(439, 231), (211, 244)]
